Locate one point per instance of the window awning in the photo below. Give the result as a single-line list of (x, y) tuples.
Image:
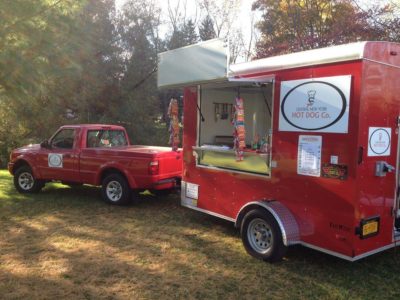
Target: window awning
[(199, 63)]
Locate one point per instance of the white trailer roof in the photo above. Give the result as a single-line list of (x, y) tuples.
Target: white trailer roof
[(208, 62), (202, 62), (320, 56)]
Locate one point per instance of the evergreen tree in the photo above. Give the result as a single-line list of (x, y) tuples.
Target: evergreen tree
[(139, 109), (176, 40), (189, 33), (95, 94), (206, 29), (38, 46), (35, 44), (183, 35)]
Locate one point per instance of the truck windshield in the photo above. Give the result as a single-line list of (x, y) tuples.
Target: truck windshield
[(106, 138)]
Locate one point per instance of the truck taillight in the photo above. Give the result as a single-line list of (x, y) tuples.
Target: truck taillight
[(153, 167)]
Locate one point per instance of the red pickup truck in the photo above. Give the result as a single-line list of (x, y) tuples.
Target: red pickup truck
[(96, 155)]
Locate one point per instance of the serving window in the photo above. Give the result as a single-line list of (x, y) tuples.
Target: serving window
[(217, 146)]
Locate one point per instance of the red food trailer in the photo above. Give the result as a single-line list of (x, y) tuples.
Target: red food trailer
[(320, 161)]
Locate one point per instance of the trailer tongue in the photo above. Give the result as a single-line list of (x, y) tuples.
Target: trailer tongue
[(319, 159)]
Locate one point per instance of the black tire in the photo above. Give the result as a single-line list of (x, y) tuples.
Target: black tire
[(115, 190), (25, 182), (261, 236)]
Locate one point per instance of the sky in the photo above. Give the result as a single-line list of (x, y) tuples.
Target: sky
[(242, 21)]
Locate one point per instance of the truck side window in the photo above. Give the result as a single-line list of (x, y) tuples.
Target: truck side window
[(64, 139), (105, 138)]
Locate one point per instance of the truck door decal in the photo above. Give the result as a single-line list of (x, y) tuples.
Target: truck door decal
[(317, 104), (55, 160)]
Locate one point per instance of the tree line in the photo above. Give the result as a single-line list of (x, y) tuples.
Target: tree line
[(85, 61)]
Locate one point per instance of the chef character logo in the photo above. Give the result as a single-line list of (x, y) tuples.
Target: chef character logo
[(380, 142), (311, 97)]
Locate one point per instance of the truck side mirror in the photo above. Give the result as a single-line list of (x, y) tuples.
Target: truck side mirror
[(45, 144)]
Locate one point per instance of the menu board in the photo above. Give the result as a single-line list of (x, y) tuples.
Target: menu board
[(309, 155)]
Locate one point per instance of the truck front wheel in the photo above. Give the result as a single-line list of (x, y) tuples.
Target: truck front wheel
[(115, 189), (25, 181), (262, 237)]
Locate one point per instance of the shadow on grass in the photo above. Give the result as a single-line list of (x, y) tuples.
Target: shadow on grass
[(65, 242)]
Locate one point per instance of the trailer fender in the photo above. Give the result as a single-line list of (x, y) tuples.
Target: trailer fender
[(287, 222)]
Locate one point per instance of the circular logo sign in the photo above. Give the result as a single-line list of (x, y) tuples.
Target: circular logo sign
[(55, 160), (313, 105), (379, 141)]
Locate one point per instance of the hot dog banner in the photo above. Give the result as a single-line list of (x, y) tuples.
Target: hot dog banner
[(315, 104), (173, 113)]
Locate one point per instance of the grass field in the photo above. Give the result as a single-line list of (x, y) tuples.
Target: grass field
[(66, 243)]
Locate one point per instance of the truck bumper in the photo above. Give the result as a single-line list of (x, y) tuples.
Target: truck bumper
[(164, 184), (10, 167)]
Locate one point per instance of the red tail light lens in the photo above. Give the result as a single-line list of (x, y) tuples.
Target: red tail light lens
[(153, 167)]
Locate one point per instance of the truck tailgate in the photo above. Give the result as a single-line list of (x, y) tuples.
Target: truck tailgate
[(170, 163)]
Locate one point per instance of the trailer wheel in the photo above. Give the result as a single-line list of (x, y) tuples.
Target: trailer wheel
[(262, 237), (25, 182), (115, 189)]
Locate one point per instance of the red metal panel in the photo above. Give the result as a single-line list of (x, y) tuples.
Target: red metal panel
[(379, 108), (324, 208)]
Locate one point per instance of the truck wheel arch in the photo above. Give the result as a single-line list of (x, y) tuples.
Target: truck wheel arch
[(285, 219), (110, 170), (23, 162)]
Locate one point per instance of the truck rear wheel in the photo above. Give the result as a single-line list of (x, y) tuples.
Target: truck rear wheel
[(25, 181), (262, 237), (115, 189)]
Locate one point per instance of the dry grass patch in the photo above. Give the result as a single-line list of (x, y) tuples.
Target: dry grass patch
[(66, 243)]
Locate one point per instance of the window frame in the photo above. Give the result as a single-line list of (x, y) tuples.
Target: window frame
[(58, 132), (106, 129), (270, 164)]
